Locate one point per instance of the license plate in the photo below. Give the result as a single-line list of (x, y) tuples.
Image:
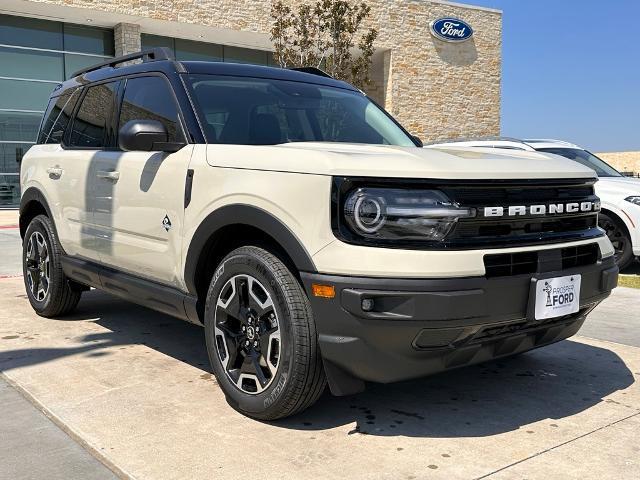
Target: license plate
[(557, 296)]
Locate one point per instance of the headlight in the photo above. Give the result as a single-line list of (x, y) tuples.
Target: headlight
[(397, 214), (634, 200)]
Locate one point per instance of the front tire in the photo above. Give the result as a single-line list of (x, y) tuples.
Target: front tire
[(50, 292), (619, 237), (261, 336)]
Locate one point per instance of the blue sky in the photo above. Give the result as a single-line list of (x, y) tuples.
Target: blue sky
[(571, 70)]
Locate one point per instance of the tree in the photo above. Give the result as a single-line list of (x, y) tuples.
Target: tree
[(324, 35)]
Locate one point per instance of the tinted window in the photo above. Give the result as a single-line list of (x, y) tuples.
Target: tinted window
[(90, 125), (150, 98), (587, 159), (57, 116), (256, 111)]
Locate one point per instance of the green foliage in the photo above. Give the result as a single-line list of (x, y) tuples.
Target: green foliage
[(329, 35)]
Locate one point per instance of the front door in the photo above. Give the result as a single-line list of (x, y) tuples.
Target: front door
[(140, 195)]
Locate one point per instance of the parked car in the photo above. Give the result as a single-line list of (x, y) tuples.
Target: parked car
[(303, 227), (620, 195)]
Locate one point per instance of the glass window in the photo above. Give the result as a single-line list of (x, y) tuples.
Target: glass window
[(11, 155), (20, 63), (57, 117), (587, 159), (246, 55), (30, 32), (19, 126), (153, 41), (150, 98), (73, 63), (98, 41), (89, 128), (24, 95), (188, 50), (9, 184), (256, 111)]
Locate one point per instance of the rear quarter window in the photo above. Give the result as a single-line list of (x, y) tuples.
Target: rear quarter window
[(57, 116)]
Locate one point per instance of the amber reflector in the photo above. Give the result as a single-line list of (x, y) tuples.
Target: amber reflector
[(325, 291)]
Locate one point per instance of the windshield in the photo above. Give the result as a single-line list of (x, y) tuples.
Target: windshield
[(259, 111), (602, 168)]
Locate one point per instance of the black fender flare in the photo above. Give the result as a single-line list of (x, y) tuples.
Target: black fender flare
[(249, 215), (33, 194)]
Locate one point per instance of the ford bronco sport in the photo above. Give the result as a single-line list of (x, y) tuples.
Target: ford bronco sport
[(303, 227)]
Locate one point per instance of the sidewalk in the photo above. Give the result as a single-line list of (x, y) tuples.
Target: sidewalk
[(32, 447), (8, 218)]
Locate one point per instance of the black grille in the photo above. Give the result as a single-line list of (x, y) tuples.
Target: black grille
[(523, 263), (579, 256), (527, 229)]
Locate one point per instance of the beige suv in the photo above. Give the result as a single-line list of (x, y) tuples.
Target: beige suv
[(303, 227)]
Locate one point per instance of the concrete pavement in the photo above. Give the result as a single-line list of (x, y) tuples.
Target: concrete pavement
[(32, 447), (135, 387)]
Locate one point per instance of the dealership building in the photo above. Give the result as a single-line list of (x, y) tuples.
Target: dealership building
[(436, 88)]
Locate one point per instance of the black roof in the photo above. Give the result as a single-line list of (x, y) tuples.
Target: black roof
[(110, 69)]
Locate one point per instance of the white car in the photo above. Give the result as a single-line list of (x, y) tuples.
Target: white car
[(620, 195)]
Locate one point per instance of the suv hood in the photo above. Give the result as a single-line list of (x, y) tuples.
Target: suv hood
[(343, 159)]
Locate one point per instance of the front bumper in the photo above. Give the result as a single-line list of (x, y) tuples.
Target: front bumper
[(423, 326)]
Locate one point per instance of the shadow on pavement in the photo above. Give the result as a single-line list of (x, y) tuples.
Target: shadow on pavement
[(632, 269), (550, 383)]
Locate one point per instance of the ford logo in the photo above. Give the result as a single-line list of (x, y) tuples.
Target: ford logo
[(451, 29)]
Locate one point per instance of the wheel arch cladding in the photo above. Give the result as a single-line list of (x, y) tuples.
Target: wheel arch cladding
[(32, 204), (211, 230)]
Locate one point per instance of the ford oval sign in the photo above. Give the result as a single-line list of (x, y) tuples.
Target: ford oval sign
[(451, 29)]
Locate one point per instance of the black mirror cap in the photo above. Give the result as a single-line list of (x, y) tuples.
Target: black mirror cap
[(146, 136), (418, 141)]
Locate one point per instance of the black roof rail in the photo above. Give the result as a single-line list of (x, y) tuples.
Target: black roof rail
[(312, 71), (149, 55)]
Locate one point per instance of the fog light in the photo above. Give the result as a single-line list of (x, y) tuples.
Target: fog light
[(367, 304)]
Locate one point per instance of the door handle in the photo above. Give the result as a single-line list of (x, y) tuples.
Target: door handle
[(54, 172), (114, 176)]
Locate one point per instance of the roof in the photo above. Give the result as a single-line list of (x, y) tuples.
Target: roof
[(525, 144), (552, 142), (113, 68)]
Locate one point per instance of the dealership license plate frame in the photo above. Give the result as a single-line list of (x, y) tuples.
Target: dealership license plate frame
[(533, 296)]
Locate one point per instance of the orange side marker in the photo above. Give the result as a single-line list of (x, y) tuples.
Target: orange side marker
[(324, 291)]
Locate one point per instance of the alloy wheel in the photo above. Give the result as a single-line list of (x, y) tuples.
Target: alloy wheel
[(38, 262), (616, 236), (247, 334)]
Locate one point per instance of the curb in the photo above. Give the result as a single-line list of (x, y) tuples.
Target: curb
[(75, 436)]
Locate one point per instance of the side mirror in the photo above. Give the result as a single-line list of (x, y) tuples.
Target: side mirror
[(146, 136), (417, 140)]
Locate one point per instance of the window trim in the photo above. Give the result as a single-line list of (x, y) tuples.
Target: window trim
[(181, 119)]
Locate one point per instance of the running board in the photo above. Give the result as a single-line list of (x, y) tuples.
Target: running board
[(147, 293)]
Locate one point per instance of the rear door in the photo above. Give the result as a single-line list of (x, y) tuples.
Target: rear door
[(84, 142), (141, 194)]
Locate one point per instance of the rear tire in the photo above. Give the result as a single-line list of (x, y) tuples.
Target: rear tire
[(619, 236), (50, 292), (261, 336)]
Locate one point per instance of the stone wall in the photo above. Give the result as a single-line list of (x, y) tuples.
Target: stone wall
[(126, 37), (623, 161), (437, 90)]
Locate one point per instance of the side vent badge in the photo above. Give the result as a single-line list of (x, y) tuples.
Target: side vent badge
[(166, 223)]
